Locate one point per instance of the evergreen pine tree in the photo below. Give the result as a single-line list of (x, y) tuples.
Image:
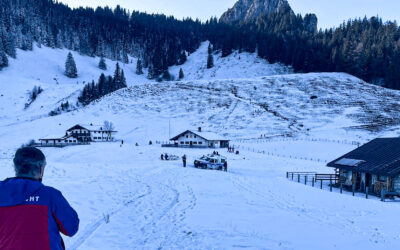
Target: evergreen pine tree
[(117, 72), (166, 76), (182, 58), (139, 67), (210, 48), (110, 83), (123, 80), (94, 94), (102, 64), (117, 78), (151, 74), (125, 58), (10, 45), (210, 61), (83, 97), (3, 60), (102, 87), (181, 75), (70, 67)]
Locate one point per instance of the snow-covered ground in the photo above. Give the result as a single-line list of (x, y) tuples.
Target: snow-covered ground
[(154, 204), (234, 66)]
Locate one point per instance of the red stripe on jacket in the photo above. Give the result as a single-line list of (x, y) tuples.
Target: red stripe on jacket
[(24, 227), (60, 225)]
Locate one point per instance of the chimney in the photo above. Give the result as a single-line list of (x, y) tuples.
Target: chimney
[(199, 130)]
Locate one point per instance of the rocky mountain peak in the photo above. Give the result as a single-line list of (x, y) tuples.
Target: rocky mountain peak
[(250, 10)]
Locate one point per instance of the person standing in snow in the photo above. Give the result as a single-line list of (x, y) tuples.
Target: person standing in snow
[(162, 157), (184, 161), (32, 215), (226, 166)]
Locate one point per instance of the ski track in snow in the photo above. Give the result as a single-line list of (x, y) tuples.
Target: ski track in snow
[(91, 229)]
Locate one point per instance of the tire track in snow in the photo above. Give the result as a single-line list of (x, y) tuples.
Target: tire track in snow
[(91, 228), (164, 222)]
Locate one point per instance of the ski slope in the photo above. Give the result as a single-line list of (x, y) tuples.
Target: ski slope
[(127, 198)]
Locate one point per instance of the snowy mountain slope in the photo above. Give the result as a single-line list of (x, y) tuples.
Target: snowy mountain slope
[(153, 204), (298, 104), (45, 67), (234, 66)]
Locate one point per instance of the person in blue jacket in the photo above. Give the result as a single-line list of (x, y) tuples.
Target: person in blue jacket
[(32, 215)]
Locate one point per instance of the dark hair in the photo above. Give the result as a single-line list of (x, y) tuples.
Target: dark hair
[(27, 162)]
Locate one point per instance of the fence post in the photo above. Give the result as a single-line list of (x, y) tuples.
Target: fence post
[(292, 176), (341, 187), (366, 192), (298, 178), (305, 180), (330, 182), (321, 184), (313, 181), (354, 188), (287, 175), (383, 195)]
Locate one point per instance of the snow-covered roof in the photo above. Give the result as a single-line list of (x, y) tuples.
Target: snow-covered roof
[(349, 162), (52, 137), (77, 126), (209, 136), (56, 137), (90, 127)]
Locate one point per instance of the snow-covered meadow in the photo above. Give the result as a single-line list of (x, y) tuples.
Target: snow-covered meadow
[(127, 198)]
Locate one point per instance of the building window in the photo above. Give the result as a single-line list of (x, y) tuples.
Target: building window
[(195, 136), (187, 136), (200, 142), (195, 142), (182, 142), (187, 142)]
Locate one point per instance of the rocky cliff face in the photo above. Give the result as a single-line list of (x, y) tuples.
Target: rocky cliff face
[(250, 10), (311, 22)]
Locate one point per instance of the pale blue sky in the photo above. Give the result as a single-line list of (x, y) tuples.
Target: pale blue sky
[(330, 12)]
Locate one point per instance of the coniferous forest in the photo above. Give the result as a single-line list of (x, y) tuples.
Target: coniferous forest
[(366, 48)]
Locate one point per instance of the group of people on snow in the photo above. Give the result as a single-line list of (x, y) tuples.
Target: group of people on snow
[(184, 160), (164, 157)]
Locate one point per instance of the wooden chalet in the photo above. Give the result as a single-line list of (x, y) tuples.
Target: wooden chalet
[(91, 135), (375, 165), (199, 139), (78, 135)]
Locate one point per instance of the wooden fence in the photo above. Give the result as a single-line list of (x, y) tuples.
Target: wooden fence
[(318, 180), (283, 139), (59, 145)]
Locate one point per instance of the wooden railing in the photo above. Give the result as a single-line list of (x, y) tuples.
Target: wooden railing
[(58, 145)]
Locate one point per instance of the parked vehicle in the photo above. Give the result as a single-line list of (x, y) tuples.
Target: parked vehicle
[(212, 161)]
